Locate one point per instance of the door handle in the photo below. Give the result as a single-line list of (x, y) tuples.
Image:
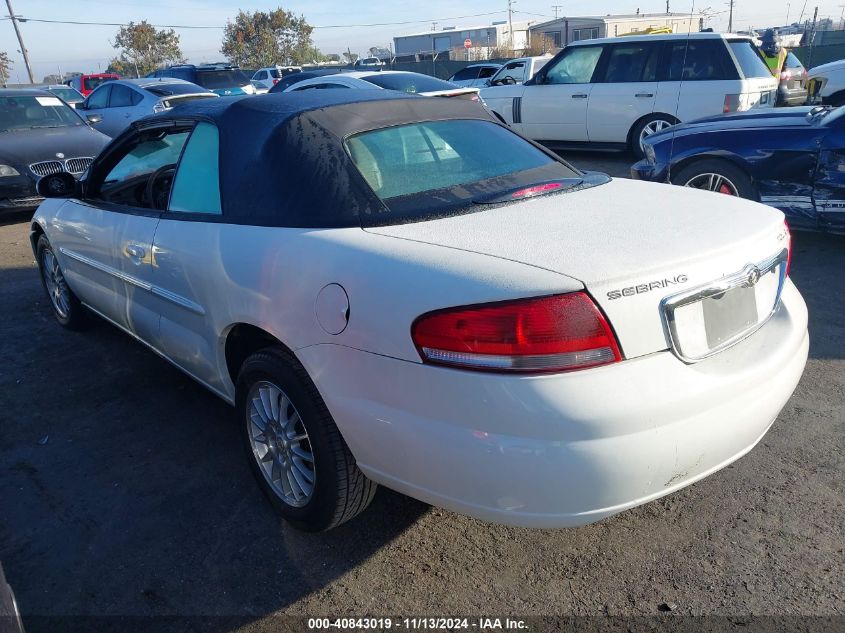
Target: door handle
[(644, 94), (579, 96), (135, 252)]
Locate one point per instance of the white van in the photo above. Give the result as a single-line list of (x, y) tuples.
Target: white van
[(611, 93)]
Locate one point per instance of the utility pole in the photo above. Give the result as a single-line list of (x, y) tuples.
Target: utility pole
[(557, 8), (434, 26), (731, 17), (667, 7), (510, 23), (20, 40)]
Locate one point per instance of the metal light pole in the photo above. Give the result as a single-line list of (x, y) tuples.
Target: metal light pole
[(20, 39)]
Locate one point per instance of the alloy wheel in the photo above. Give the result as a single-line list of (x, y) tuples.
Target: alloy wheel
[(652, 127), (713, 182), (280, 444), (57, 287)]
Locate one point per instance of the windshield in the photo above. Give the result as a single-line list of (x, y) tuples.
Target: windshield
[(67, 94), (35, 112), (423, 170), (89, 83), (409, 82), (170, 89), (216, 79), (749, 59)]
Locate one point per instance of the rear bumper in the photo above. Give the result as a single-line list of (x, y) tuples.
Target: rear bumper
[(794, 97), (563, 450)]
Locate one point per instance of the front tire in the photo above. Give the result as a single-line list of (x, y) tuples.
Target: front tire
[(295, 450), (718, 176), (67, 308)]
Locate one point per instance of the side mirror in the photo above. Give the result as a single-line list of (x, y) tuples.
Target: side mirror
[(93, 119), (58, 185)]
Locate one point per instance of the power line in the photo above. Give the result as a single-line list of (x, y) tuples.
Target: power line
[(208, 26)]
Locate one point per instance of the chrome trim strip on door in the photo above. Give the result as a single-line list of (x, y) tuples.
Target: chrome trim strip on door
[(138, 283), (748, 276)]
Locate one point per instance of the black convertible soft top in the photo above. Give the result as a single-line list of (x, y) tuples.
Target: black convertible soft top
[(282, 160)]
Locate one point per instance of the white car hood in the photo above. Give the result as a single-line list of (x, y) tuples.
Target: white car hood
[(618, 235), (826, 68)]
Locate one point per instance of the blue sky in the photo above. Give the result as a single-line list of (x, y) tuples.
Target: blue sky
[(87, 48)]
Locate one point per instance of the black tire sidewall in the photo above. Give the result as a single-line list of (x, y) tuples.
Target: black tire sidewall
[(268, 365), (743, 183)]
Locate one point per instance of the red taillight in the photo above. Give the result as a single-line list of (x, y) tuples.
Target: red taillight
[(788, 246), (275, 81), (545, 334), (731, 103)]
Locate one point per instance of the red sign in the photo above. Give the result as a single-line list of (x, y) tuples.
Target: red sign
[(467, 43)]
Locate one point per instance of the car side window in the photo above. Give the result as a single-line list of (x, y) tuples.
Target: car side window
[(196, 188), (632, 62), (99, 98), (142, 173), (487, 72), (122, 97), (700, 60), (514, 70), (575, 67)]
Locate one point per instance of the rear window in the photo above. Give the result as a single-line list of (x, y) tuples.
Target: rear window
[(89, 83), (465, 74), (217, 79), (168, 90), (411, 83), (792, 62), (749, 59), (422, 170)]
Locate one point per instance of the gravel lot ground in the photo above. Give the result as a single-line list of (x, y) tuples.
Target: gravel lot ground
[(124, 491)]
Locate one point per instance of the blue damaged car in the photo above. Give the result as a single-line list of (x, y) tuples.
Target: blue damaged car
[(789, 158)]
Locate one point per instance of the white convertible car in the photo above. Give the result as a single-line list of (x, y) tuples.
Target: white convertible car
[(402, 291)]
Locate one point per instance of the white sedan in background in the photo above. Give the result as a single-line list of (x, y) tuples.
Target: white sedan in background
[(401, 81), (428, 301)]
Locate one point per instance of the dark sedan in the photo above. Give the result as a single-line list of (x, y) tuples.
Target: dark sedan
[(790, 158), (294, 78), (40, 135)]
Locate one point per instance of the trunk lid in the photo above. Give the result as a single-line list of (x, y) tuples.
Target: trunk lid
[(631, 244)]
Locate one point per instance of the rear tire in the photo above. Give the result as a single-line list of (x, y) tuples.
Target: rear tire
[(66, 307), (716, 175), (645, 128), (299, 458)]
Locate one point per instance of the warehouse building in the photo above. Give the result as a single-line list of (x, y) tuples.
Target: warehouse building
[(482, 39), (560, 32)]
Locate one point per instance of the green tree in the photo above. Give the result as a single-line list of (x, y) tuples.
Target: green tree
[(143, 48), (5, 68), (258, 39)]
